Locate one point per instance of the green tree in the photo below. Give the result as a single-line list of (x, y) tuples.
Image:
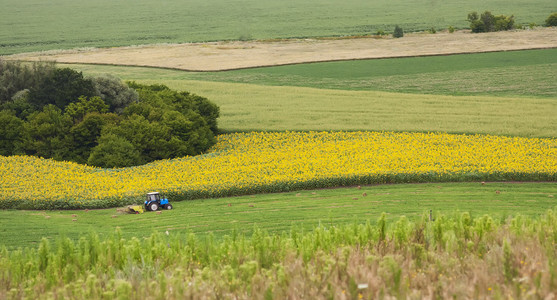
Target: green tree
[(16, 77), (398, 32), (85, 134), (208, 110), (61, 88), (45, 133), (77, 110), (488, 20), (476, 25), (114, 152), (551, 20), (10, 133), (149, 138), (114, 92), (19, 105)]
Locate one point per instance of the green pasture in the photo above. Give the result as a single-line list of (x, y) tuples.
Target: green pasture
[(524, 73), (528, 73), (433, 106), (33, 25), (279, 212)]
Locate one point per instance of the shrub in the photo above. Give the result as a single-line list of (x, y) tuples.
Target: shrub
[(432, 30), (114, 92), (398, 32), (551, 20), (451, 29), (487, 22), (380, 32)]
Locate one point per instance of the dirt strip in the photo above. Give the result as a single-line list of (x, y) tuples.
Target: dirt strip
[(218, 56)]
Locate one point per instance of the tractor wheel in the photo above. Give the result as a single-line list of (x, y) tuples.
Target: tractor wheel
[(168, 206), (154, 206)]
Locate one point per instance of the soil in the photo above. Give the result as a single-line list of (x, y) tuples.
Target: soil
[(219, 56)]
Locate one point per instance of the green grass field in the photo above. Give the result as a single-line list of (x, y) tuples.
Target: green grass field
[(279, 212), (524, 73), (528, 73), (33, 25), (507, 93)]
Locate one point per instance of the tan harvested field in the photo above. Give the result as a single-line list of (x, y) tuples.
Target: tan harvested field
[(217, 56)]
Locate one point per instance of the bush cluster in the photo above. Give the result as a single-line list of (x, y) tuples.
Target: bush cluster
[(551, 20), (487, 22), (398, 32), (101, 121)]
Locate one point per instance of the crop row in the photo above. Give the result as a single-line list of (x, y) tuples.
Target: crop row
[(245, 163), (455, 256)]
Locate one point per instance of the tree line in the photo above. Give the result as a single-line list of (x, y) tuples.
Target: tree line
[(101, 121)]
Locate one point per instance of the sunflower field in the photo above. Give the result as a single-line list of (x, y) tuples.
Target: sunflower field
[(258, 162)]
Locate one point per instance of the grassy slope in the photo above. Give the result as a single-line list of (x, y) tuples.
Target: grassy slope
[(515, 73), (278, 212), (33, 25), (270, 107), (525, 73)]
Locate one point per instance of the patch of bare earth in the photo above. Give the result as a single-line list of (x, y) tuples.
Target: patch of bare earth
[(219, 56)]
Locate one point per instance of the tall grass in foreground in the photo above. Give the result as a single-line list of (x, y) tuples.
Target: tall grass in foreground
[(451, 257)]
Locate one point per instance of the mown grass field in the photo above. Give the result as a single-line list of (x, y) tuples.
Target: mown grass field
[(524, 73), (507, 93), (33, 25), (281, 212), (528, 73)]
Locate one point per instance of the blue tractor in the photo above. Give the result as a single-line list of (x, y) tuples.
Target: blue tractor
[(154, 201)]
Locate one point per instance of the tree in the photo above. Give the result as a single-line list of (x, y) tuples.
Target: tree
[(551, 20), (15, 77), (114, 92), (45, 133), (101, 121), (61, 88), (398, 33), (114, 152), (10, 133), (84, 135), (208, 110), (488, 20), (77, 110), (149, 138)]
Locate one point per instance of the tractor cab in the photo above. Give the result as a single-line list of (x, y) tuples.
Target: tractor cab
[(154, 201)]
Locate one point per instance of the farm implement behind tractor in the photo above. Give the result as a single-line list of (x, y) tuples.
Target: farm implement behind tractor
[(136, 209)]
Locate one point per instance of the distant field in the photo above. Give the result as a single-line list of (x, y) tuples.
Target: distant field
[(279, 212), (234, 55), (525, 73), (247, 107), (530, 73), (33, 25)]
